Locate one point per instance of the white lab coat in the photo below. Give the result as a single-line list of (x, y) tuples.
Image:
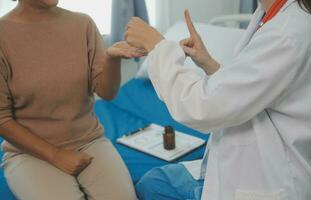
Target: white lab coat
[(258, 108)]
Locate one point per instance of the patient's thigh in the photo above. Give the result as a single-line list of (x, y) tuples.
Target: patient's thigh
[(107, 176), (30, 178)]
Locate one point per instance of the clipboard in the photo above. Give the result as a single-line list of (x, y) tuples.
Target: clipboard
[(149, 140)]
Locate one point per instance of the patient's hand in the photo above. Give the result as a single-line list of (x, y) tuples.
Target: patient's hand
[(124, 50), (195, 48), (70, 162), (141, 35)]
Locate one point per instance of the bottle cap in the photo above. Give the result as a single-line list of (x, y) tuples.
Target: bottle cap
[(169, 129)]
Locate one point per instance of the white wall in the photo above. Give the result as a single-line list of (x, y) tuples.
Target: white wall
[(202, 10), (6, 5), (170, 11)]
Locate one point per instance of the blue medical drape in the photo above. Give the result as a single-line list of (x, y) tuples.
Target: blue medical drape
[(122, 12)]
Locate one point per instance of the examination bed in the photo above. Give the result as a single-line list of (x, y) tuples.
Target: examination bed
[(135, 106)]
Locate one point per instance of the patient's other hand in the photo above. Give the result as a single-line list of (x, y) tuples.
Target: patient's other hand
[(70, 162), (195, 48), (124, 50), (141, 35)]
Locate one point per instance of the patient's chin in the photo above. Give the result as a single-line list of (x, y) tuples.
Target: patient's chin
[(49, 3)]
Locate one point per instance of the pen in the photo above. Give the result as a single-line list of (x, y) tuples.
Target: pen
[(136, 131)]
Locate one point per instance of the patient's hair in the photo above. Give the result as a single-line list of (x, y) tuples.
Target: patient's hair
[(305, 4)]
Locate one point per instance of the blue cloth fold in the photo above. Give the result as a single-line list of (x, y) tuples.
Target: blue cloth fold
[(170, 182)]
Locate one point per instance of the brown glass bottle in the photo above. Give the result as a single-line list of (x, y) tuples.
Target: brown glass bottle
[(169, 138)]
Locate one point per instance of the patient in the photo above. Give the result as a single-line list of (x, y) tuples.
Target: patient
[(51, 62)]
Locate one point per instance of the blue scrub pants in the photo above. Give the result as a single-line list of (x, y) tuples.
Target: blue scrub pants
[(171, 182)]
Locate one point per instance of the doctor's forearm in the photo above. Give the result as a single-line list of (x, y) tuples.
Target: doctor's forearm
[(108, 82), (182, 89)]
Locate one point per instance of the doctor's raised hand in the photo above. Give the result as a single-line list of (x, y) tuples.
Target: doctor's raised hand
[(139, 34), (195, 48)]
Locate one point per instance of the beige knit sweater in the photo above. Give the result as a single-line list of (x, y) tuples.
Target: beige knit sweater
[(47, 77)]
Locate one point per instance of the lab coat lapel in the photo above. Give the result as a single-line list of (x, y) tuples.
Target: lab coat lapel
[(289, 2), (251, 29)]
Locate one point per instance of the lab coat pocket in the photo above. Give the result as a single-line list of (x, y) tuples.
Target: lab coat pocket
[(254, 195), (240, 135)]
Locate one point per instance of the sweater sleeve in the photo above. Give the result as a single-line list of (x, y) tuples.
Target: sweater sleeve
[(5, 95), (96, 53)]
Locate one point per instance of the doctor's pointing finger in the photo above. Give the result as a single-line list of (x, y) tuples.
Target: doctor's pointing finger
[(195, 48)]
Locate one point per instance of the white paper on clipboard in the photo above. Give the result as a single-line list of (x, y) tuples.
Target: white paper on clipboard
[(150, 141)]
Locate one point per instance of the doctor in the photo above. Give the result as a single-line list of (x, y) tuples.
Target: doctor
[(257, 107)]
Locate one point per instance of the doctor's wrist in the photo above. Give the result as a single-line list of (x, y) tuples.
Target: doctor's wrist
[(211, 67)]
